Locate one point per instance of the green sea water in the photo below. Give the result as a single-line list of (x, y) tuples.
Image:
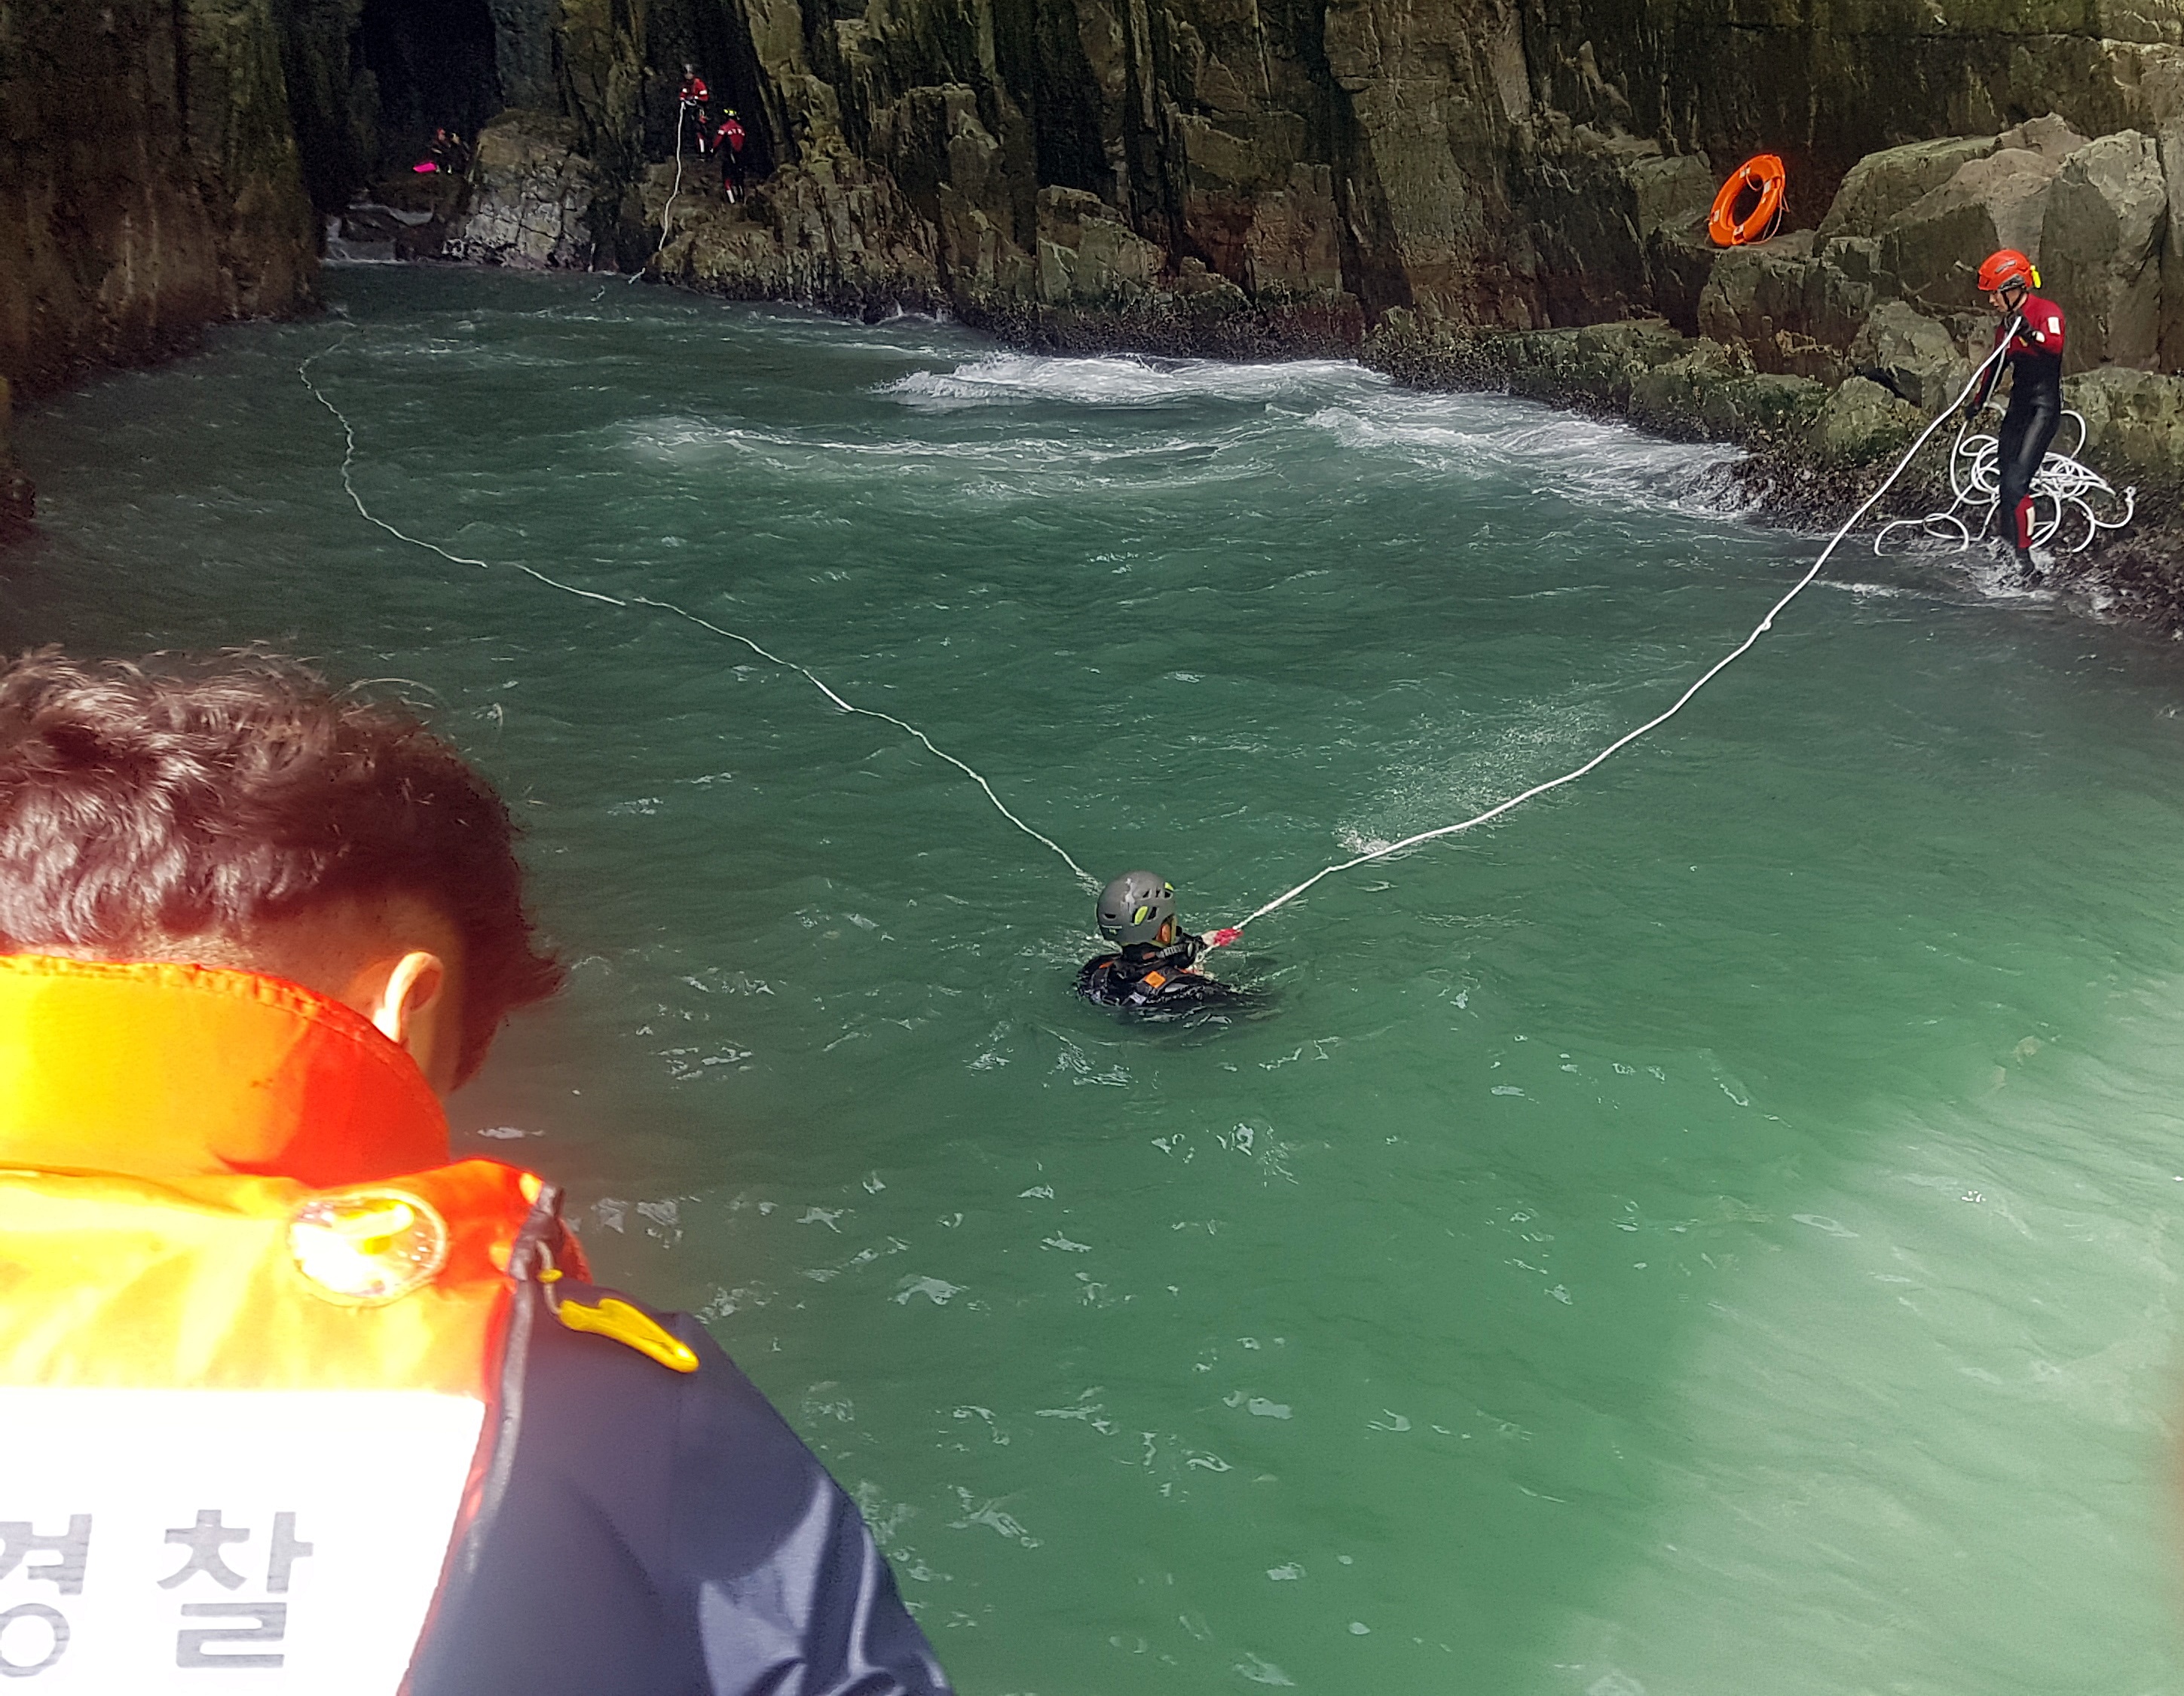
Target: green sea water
[(1712, 1231)]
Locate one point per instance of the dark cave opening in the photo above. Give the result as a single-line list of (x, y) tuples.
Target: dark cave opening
[(432, 66)]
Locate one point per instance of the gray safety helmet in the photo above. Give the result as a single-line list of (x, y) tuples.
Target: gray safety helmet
[(1134, 906)]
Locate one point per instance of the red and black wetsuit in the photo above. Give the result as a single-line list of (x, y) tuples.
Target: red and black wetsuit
[(728, 143), (690, 101), (2035, 364)]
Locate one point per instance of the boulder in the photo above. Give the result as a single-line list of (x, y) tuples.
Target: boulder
[(1932, 248), (2170, 148), (1792, 308), (1883, 184), (1907, 352), (1755, 290), (1591, 204), (1861, 422), (531, 196), (2051, 137), (1711, 393), (2100, 248), (831, 231), (2134, 426), (1088, 255)]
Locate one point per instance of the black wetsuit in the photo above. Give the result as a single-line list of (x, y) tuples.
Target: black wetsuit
[(1144, 975), (2035, 364)]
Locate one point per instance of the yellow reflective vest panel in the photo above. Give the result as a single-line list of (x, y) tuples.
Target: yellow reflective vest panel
[(247, 1423)]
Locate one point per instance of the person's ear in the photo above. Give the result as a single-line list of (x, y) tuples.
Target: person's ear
[(410, 1009)]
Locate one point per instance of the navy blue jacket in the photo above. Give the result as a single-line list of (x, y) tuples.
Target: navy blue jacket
[(662, 1533)]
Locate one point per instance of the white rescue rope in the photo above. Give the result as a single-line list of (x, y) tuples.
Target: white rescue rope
[(348, 466), (1713, 671), (668, 211), (1975, 481)]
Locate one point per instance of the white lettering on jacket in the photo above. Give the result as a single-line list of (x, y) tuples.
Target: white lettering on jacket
[(224, 1541)]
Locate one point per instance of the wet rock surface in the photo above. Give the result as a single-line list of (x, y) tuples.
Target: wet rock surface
[(531, 197)]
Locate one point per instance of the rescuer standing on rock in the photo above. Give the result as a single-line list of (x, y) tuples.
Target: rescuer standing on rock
[(690, 102), (2034, 327), (288, 1391)]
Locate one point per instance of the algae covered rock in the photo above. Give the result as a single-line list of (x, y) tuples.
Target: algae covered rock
[(532, 192), (1863, 421), (832, 233), (2134, 426), (1711, 393)]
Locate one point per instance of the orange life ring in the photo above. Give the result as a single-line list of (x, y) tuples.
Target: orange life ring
[(1761, 176)]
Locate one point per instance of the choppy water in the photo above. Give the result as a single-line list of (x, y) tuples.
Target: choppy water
[(1710, 1232)]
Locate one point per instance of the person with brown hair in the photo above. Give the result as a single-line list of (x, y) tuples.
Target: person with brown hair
[(322, 1404)]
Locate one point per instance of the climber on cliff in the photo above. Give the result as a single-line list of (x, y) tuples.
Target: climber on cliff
[(728, 142), (2033, 327), (690, 102), (1154, 970)]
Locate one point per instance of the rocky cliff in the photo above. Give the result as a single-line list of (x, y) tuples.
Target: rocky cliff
[(1459, 191), (1462, 190), (149, 185), (1310, 164)]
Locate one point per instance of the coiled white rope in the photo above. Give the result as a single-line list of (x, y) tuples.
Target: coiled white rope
[(1682, 700), (348, 483), (1975, 481)]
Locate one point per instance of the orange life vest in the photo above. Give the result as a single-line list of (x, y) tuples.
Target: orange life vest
[(253, 1335)]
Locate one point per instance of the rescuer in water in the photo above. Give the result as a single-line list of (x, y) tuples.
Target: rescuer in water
[(1154, 972), (2033, 326), (305, 1399)]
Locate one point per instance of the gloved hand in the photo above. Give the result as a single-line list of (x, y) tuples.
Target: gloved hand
[(1221, 937)]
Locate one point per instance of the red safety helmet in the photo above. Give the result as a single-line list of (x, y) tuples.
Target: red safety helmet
[(2005, 267)]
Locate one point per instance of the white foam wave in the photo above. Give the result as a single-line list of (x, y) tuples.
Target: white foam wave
[(1126, 380), (1564, 452), (684, 439)]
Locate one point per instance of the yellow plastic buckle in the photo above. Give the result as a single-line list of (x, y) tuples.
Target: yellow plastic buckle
[(632, 1329)]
